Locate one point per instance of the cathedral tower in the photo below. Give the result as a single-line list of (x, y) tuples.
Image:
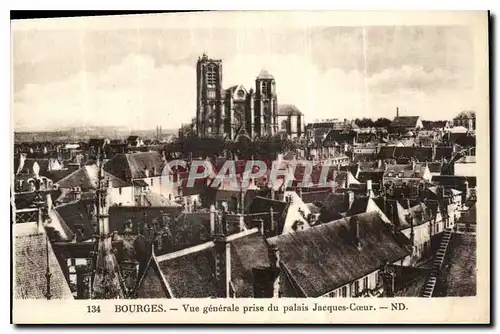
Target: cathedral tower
[(266, 105), (208, 96)]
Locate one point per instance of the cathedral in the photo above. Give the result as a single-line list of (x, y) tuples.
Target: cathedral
[(234, 111)]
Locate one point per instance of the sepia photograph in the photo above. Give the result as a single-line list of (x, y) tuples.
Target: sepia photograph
[(227, 156)]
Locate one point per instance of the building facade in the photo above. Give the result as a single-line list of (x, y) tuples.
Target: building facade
[(234, 111)]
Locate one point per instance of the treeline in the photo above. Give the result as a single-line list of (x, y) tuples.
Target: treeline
[(244, 148), (369, 123)]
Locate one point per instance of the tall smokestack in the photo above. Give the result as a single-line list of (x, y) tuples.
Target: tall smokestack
[(397, 111)]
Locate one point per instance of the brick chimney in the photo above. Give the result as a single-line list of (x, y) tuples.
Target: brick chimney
[(354, 222)]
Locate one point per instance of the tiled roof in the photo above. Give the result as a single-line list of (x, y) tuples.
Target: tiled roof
[(133, 165), (30, 267), (78, 217), (87, 178), (405, 121), (193, 276), (325, 257), (470, 216), (409, 281), (153, 283)]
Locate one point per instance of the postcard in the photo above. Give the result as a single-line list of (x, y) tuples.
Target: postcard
[(251, 167)]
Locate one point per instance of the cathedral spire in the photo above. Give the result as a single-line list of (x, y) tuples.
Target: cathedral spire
[(106, 278)]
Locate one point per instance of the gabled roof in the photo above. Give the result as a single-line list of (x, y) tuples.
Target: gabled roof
[(405, 121), (325, 257), (190, 272), (87, 178), (30, 259), (134, 165), (78, 217), (153, 283)]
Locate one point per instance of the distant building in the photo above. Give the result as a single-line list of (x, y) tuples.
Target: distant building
[(404, 124), (290, 121), (467, 119), (234, 111)]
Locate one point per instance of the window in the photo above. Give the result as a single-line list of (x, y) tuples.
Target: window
[(152, 182), (265, 88), (343, 292), (365, 283), (120, 190), (211, 75)]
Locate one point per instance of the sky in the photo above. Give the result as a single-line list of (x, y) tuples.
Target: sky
[(140, 78)]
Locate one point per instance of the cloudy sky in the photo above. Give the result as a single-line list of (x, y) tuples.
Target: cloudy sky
[(140, 78)]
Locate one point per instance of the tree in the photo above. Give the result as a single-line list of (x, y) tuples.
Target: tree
[(364, 122), (382, 122)]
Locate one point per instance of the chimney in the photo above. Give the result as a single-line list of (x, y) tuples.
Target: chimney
[(213, 213), (355, 224), (394, 215), (48, 200), (222, 258), (241, 202), (258, 223), (272, 223), (388, 280), (349, 199), (412, 232), (397, 111), (369, 191), (274, 256)]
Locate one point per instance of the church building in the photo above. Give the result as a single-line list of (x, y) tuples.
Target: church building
[(235, 111)]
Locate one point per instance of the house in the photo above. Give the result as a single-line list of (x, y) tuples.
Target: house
[(414, 220), (85, 180), (144, 170), (436, 125), (466, 119), (399, 173), (33, 259), (468, 221), (24, 165), (134, 141), (403, 124), (231, 265), (352, 251)]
